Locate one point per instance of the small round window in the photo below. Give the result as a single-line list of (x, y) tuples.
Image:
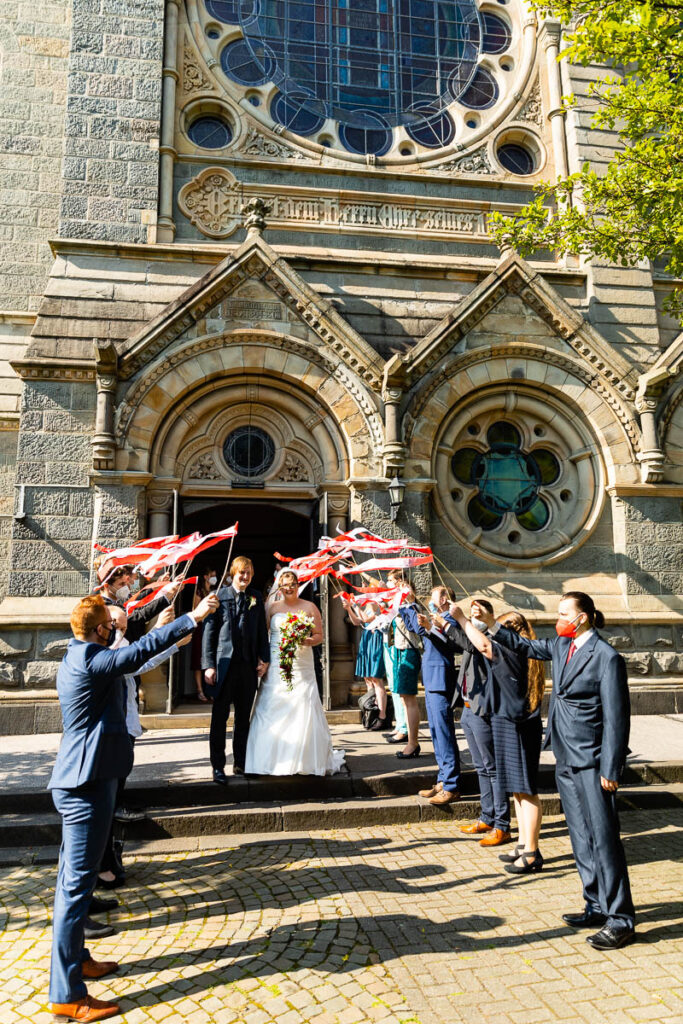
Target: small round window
[(516, 158), (210, 132), (249, 451)]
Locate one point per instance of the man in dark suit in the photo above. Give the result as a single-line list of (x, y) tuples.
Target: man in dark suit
[(94, 753), (588, 729), (235, 655)]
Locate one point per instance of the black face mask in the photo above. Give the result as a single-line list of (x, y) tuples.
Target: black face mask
[(112, 634)]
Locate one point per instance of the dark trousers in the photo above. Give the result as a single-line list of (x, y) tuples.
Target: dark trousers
[(593, 824), (442, 729), (111, 861), (495, 806), (86, 815), (238, 690)]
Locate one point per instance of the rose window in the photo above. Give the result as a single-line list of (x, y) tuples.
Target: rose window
[(518, 477), (367, 77), (507, 479)]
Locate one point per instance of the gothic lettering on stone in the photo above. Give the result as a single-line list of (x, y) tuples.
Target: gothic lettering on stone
[(212, 202), (249, 309)]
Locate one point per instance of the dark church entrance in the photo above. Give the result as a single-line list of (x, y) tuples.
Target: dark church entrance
[(290, 527)]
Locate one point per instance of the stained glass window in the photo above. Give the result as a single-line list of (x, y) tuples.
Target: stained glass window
[(249, 451), (507, 479), (370, 65), (515, 158), (210, 132)]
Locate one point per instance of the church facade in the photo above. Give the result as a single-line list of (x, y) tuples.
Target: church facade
[(249, 275)]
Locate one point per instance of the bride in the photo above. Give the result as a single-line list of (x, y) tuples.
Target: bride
[(289, 734)]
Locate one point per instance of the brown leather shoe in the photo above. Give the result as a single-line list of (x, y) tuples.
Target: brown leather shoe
[(496, 838), (98, 969), (427, 794), (476, 828), (85, 1010), (446, 796)]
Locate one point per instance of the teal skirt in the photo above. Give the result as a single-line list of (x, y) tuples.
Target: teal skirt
[(406, 671), (370, 659)]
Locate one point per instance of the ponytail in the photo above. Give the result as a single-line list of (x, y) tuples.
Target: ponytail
[(586, 605)]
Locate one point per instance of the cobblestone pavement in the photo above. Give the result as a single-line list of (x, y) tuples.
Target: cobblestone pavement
[(410, 924)]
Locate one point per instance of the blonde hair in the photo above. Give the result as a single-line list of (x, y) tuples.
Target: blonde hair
[(241, 562), (536, 670), (90, 612)]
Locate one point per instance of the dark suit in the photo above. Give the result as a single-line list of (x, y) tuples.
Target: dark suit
[(588, 729), (138, 619), (94, 753), (232, 645), (474, 683), (439, 678)]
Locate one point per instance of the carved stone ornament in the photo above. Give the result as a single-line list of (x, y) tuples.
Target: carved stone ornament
[(212, 202), (204, 468), (255, 213), (293, 470), (473, 163), (257, 144), (194, 79), (533, 108)]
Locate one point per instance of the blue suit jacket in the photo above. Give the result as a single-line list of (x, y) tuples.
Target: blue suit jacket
[(590, 708), (217, 641), (439, 674), (92, 695)]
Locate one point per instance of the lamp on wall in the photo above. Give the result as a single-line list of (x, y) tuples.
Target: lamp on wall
[(397, 490)]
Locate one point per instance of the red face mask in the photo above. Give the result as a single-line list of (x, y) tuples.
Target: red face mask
[(564, 628)]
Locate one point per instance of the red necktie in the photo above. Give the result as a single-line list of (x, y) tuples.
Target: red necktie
[(571, 652)]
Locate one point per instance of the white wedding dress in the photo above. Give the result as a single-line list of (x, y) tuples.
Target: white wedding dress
[(289, 734)]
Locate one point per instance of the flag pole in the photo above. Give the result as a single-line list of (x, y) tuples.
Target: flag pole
[(227, 564)]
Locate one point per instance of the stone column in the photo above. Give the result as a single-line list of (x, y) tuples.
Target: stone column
[(167, 151), (160, 513), (549, 38), (342, 684), (650, 456)]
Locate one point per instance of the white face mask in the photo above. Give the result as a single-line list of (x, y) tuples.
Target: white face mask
[(213, 580), (118, 638), (123, 593), (478, 624)]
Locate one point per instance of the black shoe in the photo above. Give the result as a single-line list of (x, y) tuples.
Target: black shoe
[(530, 862), (406, 757), (97, 930), (126, 814), (98, 906), (236, 770), (588, 919), (610, 937), (401, 738), (220, 777), (110, 883), (380, 725), (510, 858)]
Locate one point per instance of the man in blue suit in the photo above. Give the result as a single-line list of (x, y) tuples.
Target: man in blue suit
[(439, 677), (588, 728), (94, 753), (235, 655)]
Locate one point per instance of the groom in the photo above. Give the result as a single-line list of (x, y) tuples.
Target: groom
[(235, 654)]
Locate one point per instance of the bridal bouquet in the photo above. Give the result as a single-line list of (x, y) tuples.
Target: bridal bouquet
[(297, 627)]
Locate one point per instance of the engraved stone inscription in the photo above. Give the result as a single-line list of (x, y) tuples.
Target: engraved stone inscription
[(249, 309)]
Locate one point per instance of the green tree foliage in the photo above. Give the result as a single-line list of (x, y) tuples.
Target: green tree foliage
[(632, 209)]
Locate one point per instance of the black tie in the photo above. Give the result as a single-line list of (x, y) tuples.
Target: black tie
[(241, 602)]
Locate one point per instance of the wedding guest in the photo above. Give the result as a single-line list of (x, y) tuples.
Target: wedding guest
[(118, 589), (395, 578), (494, 818), (439, 678), (208, 579), (370, 657), (405, 653), (588, 730), (235, 655), (95, 751), (515, 685)]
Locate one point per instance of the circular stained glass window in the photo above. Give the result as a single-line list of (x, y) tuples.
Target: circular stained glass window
[(369, 65), (210, 132), (515, 158), (249, 451)]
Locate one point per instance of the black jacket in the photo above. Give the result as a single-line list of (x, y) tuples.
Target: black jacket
[(218, 639)]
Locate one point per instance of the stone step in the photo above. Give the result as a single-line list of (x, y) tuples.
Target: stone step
[(362, 783), (198, 716), (25, 832)]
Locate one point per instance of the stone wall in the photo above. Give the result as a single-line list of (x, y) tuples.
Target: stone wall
[(113, 119), (51, 545)]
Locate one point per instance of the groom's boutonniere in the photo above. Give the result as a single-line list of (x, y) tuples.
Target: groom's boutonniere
[(252, 603)]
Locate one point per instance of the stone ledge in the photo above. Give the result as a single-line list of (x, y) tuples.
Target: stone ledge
[(21, 612)]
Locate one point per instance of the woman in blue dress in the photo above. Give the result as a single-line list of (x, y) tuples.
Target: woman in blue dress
[(370, 657)]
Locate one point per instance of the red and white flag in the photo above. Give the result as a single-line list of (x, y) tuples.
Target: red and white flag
[(151, 595), (182, 550)]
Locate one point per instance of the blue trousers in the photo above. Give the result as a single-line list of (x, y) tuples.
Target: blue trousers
[(442, 729), (495, 806), (593, 824), (86, 819)]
